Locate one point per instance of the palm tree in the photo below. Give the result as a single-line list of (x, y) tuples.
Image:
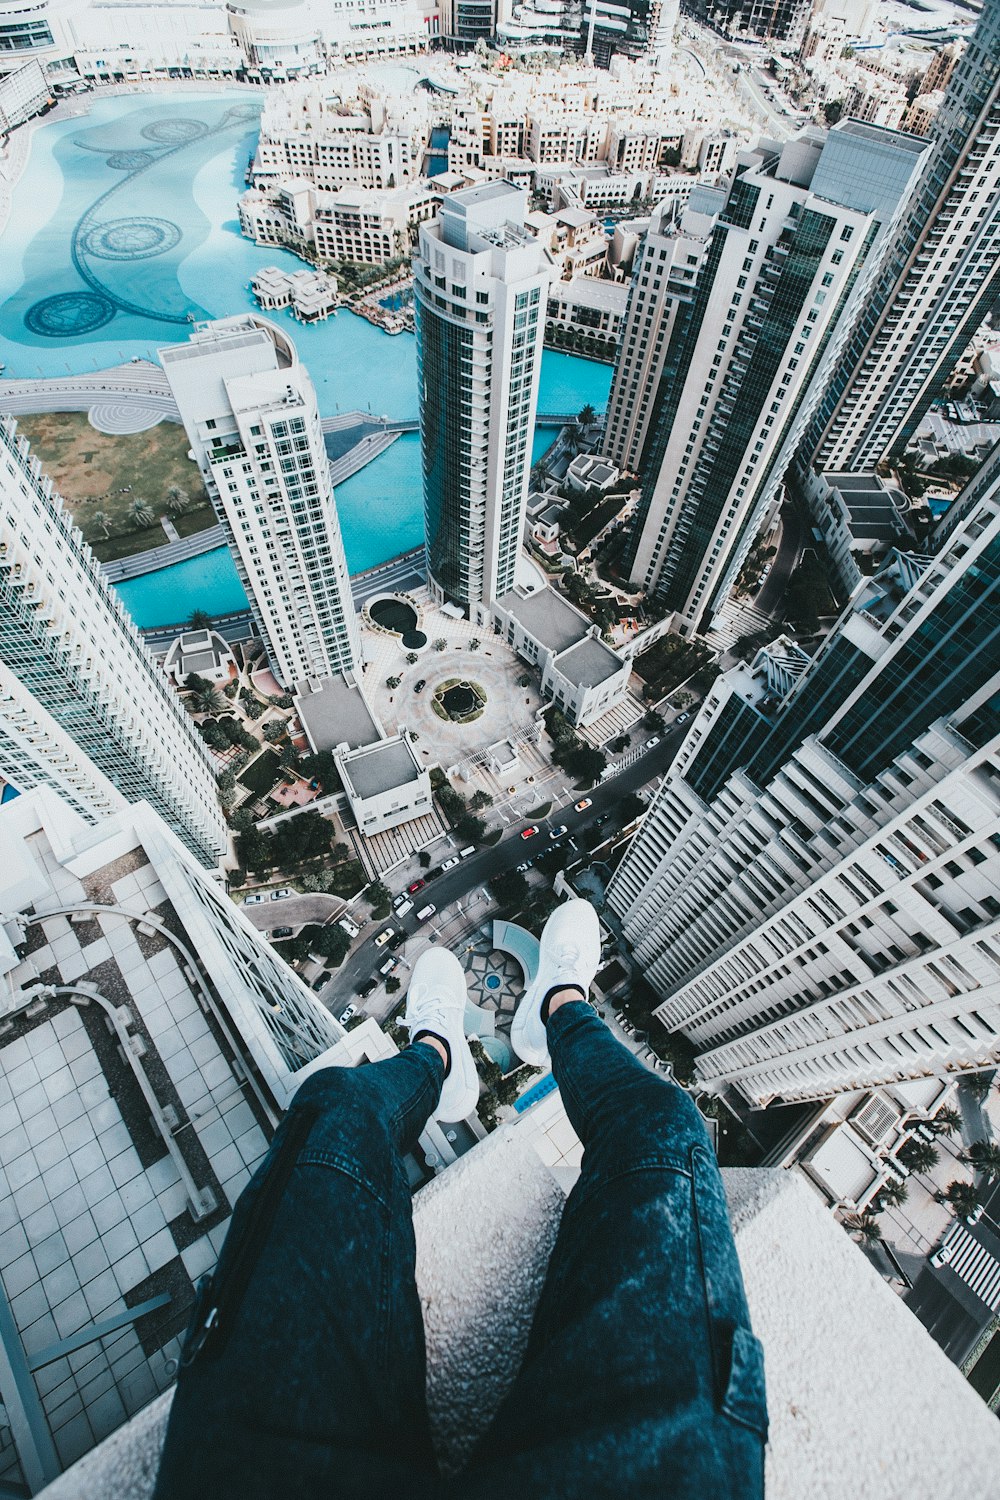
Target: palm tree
[(200, 620), (178, 500), (963, 1196), (140, 513), (207, 700), (984, 1156), (918, 1155), (586, 416), (945, 1122), (978, 1084), (892, 1193), (100, 520), (864, 1226)]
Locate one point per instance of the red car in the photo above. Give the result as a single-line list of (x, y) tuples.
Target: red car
[(529, 833), (417, 885)]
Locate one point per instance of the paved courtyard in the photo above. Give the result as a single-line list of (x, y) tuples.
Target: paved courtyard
[(510, 709)]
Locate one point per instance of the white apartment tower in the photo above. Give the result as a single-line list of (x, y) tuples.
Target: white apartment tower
[(480, 281), (791, 256), (251, 417), (940, 280), (815, 889), (663, 280), (84, 708)]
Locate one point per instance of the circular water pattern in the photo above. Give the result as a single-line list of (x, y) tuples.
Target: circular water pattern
[(69, 314), (492, 982), (176, 132), (131, 239)]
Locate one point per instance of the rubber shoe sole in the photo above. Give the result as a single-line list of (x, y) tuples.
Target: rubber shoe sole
[(435, 1002), (569, 953)]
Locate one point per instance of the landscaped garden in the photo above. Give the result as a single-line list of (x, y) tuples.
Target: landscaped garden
[(261, 774), (117, 487)]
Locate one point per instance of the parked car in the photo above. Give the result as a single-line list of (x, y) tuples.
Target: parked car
[(349, 927), (256, 898), (320, 981), (557, 833), (942, 1255), (450, 864), (400, 900), (524, 865), (418, 687), (351, 1010), (654, 739), (465, 853), (417, 885), (404, 906), (425, 912), (682, 718), (280, 895), (529, 833), (364, 990), (281, 932), (388, 966), (397, 941), (384, 937), (583, 804)]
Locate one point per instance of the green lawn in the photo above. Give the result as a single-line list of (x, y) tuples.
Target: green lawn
[(261, 774), (101, 474)]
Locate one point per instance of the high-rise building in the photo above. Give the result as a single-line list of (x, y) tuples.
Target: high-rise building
[(768, 20), (638, 28), (791, 256), (84, 708), (480, 281), (663, 279), (815, 889), (251, 417), (940, 279)]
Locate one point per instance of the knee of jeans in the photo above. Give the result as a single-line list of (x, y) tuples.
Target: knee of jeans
[(324, 1088), (661, 1119)]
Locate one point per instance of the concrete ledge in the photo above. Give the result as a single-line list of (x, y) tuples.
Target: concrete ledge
[(862, 1402)]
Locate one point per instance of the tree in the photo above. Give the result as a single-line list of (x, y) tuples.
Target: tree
[(892, 1193), (945, 1122), (205, 698), (978, 1084), (254, 850), (963, 1196), (469, 829), (273, 730), (918, 1155), (585, 763), (832, 110), (440, 644), (475, 643), (376, 895), (865, 1227), (330, 941), (391, 985), (631, 807), (653, 721), (200, 619), (479, 800), (100, 520), (425, 859), (237, 878), (140, 514), (178, 500), (411, 658), (321, 768), (984, 1156), (393, 683), (510, 889), (586, 416)]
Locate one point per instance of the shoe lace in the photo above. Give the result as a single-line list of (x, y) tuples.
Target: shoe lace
[(430, 1015)]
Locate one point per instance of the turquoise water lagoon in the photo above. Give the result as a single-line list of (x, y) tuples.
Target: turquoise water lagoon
[(124, 231)]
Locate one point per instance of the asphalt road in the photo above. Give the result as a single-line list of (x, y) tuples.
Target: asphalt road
[(468, 878), (793, 538)]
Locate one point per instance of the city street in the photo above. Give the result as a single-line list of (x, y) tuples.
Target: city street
[(463, 886)]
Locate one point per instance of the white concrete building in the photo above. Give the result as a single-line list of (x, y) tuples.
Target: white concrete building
[(815, 889), (586, 308), (204, 653), (939, 281), (386, 784), (792, 257), (664, 271), (150, 1041), (580, 675), (23, 94), (249, 409), (311, 295), (84, 708), (480, 285)]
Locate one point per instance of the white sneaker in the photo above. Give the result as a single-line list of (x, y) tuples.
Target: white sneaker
[(570, 954), (435, 1002)]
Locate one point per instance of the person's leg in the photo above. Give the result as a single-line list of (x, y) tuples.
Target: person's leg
[(642, 1376), (303, 1371)]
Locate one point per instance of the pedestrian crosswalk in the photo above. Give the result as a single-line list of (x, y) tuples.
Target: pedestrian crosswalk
[(975, 1265)]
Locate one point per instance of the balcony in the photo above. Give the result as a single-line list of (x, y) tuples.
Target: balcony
[(861, 1399)]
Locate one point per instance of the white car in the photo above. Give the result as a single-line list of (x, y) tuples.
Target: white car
[(654, 739), (942, 1255), (348, 1013), (404, 906), (280, 895), (349, 927), (384, 937), (450, 864), (388, 966), (256, 898)]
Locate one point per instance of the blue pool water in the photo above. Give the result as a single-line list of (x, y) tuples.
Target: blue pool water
[(124, 229)]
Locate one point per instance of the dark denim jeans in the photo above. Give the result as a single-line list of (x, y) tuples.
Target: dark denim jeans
[(303, 1373)]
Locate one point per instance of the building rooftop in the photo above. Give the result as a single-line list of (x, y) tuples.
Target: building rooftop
[(587, 291), (588, 663), (334, 712), (547, 616), (874, 509), (382, 768), (859, 1395)]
